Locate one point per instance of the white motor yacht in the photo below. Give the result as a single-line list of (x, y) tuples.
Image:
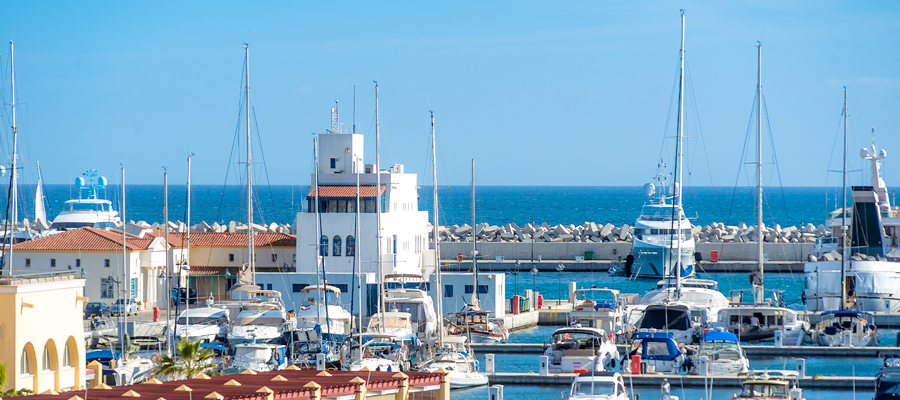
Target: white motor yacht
[(88, 209), (599, 308), (758, 323), (418, 304), (379, 352), (259, 357), (720, 354), (847, 328), (262, 319), (458, 360), (697, 293), (673, 317), (770, 385), (869, 265), (206, 324), (658, 351), (313, 312), (395, 324), (597, 386), (580, 349)]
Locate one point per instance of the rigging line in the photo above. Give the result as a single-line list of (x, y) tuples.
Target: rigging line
[(834, 142), (741, 163), (662, 148), (234, 144), (787, 212), (265, 170), (696, 112)]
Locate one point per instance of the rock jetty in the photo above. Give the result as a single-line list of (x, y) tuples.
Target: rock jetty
[(597, 233)]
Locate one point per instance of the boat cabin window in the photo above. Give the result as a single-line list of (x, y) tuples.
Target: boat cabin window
[(594, 388), (258, 320), (657, 349), (201, 320), (415, 310), (581, 340), (764, 390)]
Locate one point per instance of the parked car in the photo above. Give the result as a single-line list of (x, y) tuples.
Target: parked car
[(96, 309), (180, 294), (121, 306)]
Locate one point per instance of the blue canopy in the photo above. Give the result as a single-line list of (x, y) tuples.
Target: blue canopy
[(102, 355), (657, 335), (659, 348), (848, 313), (721, 336)]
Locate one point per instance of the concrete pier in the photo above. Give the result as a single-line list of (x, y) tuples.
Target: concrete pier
[(602, 266), (820, 382), (752, 350)]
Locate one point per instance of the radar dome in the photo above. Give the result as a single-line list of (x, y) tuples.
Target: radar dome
[(649, 189), (864, 152), (101, 182), (882, 153), (676, 189), (2, 170), (79, 182)]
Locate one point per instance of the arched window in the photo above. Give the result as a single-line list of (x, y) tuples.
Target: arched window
[(351, 246), (337, 246), (323, 246), (45, 359), (67, 355)]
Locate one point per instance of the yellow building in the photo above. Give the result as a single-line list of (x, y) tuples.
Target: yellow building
[(42, 332)]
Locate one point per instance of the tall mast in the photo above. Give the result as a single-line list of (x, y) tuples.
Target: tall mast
[(356, 241), (844, 213), (322, 246), (168, 273), (378, 208), (437, 240), (678, 167), (187, 258), (759, 295), (125, 281), (475, 302), (14, 186), (250, 263)]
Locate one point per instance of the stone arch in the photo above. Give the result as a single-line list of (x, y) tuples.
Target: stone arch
[(50, 361), (28, 364)]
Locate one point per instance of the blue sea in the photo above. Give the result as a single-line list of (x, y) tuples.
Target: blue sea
[(493, 204)]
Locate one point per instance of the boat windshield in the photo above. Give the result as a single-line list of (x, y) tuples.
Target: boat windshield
[(83, 206), (764, 390), (720, 346), (258, 320), (577, 336), (416, 310), (593, 388), (199, 321)]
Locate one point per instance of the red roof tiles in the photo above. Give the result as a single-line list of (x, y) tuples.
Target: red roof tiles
[(344, 191), (93, 239)]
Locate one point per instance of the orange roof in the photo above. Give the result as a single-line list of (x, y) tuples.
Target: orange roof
[(239, 239), (215, 271), (92, 239), (345, 191)]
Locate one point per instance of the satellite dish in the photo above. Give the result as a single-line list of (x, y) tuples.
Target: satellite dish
[(79, 182), (649, 189), (101, 182), (864, 152), (2, 170)]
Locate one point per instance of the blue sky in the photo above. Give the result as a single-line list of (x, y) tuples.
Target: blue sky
[(539, 93)]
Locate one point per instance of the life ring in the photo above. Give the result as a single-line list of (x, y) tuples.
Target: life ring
[(154, 358)]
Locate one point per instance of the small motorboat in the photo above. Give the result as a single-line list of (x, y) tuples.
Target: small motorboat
[(837, 326)]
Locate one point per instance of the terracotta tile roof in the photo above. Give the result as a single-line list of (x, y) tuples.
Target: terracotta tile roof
[(92, 239), (293, 385), (210, 271), (239, 239), (344, 191)]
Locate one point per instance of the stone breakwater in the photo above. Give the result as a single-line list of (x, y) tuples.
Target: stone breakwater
[(177, 226), (591, 232)]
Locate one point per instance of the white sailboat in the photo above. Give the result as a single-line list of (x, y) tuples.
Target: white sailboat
[(663, 243), (759, 320), (453, 353)]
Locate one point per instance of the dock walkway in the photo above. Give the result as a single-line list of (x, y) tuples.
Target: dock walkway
[(752, 350), (818, 382)]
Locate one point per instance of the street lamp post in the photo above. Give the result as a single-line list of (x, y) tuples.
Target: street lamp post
[(534, 272), (515, 273), (559, 269)]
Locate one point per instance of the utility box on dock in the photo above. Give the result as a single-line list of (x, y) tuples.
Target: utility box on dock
[(495, 392), (489, 363), (545, 365), (588, 255), (778, 339)]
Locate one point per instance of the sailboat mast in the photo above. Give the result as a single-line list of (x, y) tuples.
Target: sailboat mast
[(378, 209), (437, 240), (678, 168), (844, 213), (250, 263), (14, 186), (356, 250), (125, 278), (168, 273), (475, 302), (758, 294), (187, 258), (321, 247)]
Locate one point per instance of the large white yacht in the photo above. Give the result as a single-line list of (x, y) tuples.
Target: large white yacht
[(263, 320), (318, 307), (88, 209), (870, 264)]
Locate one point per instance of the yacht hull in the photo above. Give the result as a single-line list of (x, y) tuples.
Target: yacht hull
[(656, 261), (874, 284)]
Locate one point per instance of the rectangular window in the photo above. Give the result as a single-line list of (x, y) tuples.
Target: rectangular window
[(482, 289), (268, 286), (27, 263), (77, 262), (333, 163), (53, 262), (342, 286), (297, 287), (106, 263), (106, 288), (274, 257), (448, 290), (231, 257)]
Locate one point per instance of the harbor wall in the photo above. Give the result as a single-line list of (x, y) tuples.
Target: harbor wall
[(568, 251)]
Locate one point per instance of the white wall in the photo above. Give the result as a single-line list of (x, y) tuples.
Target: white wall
[(94, 267), (494, 301)]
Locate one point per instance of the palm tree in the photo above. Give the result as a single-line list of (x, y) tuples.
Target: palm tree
[(190, 361), (11, 392)]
